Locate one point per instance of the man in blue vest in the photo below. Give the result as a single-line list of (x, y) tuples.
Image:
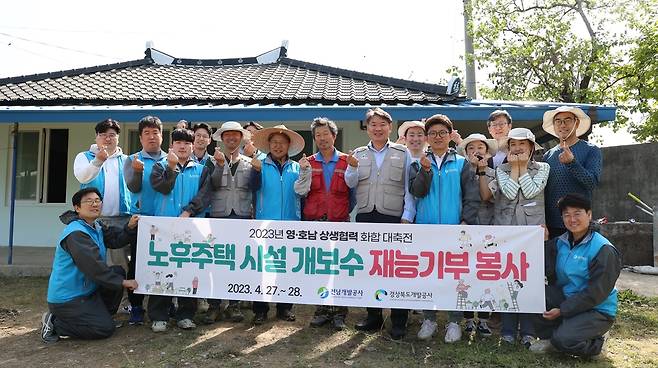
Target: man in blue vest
[(137, 172), (102, 167), (582, 268), (83, 291), (182, 190)]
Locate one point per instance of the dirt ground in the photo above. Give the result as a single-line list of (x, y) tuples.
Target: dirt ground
[(634, 342)]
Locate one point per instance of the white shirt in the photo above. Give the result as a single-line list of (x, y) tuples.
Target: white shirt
[(86, 171)]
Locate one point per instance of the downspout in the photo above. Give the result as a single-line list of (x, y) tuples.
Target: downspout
[(12, 199)]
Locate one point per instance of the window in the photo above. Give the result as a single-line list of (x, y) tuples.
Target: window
[(27, 165), (41, 165)]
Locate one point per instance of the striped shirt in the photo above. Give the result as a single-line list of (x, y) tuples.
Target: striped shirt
[(529, 186)]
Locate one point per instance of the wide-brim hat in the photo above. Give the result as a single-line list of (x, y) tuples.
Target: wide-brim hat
[(260, 139), (402, 130), (583, 127), (231, 126), (492, 145), (520, 134)]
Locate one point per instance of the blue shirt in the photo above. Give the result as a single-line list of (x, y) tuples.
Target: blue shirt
[(328, 167), (580, 176)]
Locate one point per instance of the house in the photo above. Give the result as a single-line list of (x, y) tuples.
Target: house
[(51, 116)]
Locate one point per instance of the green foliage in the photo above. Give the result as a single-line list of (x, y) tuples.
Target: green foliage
[(597, 51)]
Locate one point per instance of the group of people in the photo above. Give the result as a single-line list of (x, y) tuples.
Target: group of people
[(423, 178)]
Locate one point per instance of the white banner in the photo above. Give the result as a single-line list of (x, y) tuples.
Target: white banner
[(444, 267)]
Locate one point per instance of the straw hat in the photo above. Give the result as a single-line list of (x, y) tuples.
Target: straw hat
[(231, 126), (402, 130), (583, 127), (492, 145), (260, 139), (520, 134)]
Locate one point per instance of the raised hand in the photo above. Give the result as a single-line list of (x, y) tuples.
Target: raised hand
[(249, 149), (455, 136), (256, 164), (566, 157), (102, 154), (425, 163), (219, 157), (137, 164), (172, 159), (303, 162), (351, 160)]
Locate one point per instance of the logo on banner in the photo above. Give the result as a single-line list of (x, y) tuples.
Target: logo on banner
[(323, 292), (380, 294)]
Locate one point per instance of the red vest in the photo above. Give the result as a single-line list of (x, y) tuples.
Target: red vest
[(332, 205)]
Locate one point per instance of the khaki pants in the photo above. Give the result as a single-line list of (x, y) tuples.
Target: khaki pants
[(118, 257)]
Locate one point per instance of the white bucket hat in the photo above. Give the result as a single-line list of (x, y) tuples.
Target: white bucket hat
[(260, 139), (231, 126), (492, 145), (583, 127), (520, 134), (402, 130)]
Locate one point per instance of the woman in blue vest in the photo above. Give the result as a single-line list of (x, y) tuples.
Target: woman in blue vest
[(273, 181), (582, 268), (83, 292)]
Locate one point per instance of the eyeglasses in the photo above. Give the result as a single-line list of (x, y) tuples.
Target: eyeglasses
[(107, 135), (94, 202), (565, 121), (199, 135), (434, 133), (497, 125)]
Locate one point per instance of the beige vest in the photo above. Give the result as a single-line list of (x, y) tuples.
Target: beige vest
[(381, 188), (232, 192), (520, 210)]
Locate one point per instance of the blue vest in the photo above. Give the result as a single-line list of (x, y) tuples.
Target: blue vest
[(143, 202), (99, 183), (66, 281), (276, 199), (185, 188), (443, 202), (572, 269)]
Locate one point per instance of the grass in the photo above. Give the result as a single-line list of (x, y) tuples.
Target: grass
[(633, 342)]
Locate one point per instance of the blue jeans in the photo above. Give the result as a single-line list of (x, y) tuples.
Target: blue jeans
[(511, 322)]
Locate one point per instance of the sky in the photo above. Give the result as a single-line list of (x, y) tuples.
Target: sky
[(411, 39)]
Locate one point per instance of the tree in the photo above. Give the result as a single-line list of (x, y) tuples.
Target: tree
[(566, 50)]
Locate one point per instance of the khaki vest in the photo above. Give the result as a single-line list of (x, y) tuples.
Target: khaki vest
[(381, 188), (232, 192), (520, 210)]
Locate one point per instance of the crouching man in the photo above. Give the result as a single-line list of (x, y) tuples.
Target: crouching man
[(582, 268), (83, 292)]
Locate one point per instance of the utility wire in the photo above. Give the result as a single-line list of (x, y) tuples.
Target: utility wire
[(56, 46)]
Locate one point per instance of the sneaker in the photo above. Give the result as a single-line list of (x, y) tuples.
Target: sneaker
[(470, 326), (427, 330), (48, 334), (453, 333), (159, 326), (339, 323), (508, 339), (483, 328), (136, 316), (186, 324), (124, 309), (542, 346), (233, 313), (117, 323), (527, 340)]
